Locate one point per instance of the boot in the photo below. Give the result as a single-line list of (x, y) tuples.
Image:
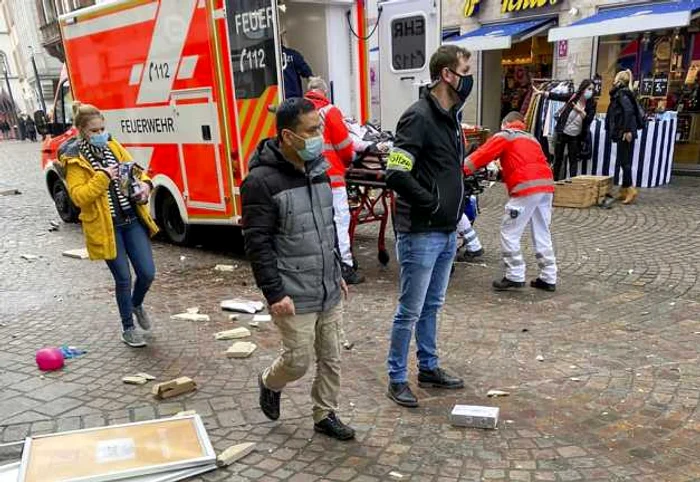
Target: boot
[(401, 394), (351, 276), (334, 428), (438, 378), (631, 196), (622, 194), (506, 285)]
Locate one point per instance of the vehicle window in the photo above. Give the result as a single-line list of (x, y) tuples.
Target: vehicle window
[(408, 43), (67, 95)]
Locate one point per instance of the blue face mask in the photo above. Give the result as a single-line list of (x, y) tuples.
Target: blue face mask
[(99, 140), (313, 147)]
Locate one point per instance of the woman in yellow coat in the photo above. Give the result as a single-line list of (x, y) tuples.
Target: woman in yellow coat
[(112, 194)]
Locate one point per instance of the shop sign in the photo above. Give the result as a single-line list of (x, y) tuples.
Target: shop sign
[(563, 48), (646, 89), (661, 87), (508, 6), (471, 7)]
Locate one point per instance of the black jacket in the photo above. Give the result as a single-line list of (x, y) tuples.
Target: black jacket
[(425, 168), (289, 232), (622, 114), (568, 107)]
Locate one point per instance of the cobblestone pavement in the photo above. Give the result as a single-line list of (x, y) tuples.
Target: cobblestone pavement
[(615, 398)]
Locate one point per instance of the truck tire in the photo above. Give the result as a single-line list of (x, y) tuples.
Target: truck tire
[(65, 207), (170, 221)]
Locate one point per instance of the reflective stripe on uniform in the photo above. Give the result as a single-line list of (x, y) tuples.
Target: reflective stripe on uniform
[(513, 259), (470, 165), (530, 184), (400, 160)]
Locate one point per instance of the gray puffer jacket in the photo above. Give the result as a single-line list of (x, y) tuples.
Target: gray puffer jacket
[(289, 232)]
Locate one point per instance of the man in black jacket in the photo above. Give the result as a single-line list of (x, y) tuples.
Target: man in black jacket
[(425, 170), (291, 243)]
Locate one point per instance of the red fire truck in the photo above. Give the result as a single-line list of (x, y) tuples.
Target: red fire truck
[(186, 86)]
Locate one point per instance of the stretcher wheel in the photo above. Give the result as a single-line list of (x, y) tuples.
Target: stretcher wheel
[(383, 257)]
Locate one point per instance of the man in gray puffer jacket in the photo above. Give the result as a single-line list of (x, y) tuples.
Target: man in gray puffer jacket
[(291, 243)]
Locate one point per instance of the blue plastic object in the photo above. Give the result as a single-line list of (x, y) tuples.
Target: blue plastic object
[(470, 209), (71, 352)]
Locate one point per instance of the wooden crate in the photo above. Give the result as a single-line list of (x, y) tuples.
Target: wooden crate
[(568, 194), (604, 184)]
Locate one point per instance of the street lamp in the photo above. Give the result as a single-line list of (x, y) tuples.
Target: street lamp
[(38, 80)]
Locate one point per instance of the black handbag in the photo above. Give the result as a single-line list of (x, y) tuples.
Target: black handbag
[(585, 151)]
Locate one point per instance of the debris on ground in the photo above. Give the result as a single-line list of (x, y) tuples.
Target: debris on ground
[(234, 454), (474, 416), (134, 380), (262, 318), (70, 352), (29, 257), (234, 334), (395, 475), (190, 317), (497, 393), (10, 192), (540, 358), (81, 253), (253, 324), (242, 306), (347, 345), (233, 317), (575, 379), (186, 413), (173, 388), (54, 226), (224, 267), (146, 376), (241, 349), (49, 359), (183, 258)]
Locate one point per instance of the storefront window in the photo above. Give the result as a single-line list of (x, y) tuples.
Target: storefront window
[(525, 62), (665, 65)]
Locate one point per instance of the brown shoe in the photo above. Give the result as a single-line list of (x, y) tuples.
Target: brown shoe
[(631, 196), (622, 194)]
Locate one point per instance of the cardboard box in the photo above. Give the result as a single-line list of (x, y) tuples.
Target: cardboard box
[(474, 416), (173, 388)]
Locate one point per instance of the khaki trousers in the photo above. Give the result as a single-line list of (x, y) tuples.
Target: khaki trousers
[(302, 337)]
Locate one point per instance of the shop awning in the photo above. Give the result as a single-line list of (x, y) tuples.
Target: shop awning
[(502, 35), (635, 18)]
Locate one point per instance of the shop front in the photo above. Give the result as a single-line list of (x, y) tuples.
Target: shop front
[(558, 43)]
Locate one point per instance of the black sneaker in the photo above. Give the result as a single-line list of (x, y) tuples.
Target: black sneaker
[(351, 276), (402, 395), (269, 400), (438, 378), (505, 285), (542, 285), (334, 428), (464, 256)]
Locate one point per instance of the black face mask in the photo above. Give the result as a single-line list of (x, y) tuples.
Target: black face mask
[(464, 88)]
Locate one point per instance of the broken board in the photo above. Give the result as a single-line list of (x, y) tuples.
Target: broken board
[(117, 452), (173, 388)]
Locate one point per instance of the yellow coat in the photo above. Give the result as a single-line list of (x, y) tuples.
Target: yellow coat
[(88, 189)]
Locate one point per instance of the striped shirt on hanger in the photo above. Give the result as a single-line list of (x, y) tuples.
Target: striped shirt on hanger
[(100, 159)]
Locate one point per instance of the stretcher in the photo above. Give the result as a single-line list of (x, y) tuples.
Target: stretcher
[(369, 198)]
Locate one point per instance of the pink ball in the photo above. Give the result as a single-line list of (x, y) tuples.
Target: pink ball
[(49, 359)]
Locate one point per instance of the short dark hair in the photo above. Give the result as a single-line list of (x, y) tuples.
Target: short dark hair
[(446, 56), (289, 112), (513, 116)]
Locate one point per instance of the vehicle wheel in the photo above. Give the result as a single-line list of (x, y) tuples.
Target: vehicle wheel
[(65, 207), (171, 222), (383, 257)]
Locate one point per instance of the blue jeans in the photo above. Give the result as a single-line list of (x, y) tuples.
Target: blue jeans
[(426, 261), (133, 244)]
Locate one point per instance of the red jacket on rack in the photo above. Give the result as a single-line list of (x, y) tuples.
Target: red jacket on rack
[(524, 166), (337, 143)]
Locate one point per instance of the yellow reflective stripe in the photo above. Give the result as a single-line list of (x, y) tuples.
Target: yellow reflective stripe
[(400, 160)]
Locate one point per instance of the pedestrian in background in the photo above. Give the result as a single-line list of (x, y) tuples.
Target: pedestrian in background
[(425, 170), (573, 123), (530, 184), (290, 240), (339, 152), (623, 120), (5, 129), (117, 226)]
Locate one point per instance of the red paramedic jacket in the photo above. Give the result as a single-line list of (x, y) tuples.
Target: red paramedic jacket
[(524, 166), (337, 143)]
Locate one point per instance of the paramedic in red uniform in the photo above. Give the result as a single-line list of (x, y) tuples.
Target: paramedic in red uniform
[(530, 184), (339, 152)]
